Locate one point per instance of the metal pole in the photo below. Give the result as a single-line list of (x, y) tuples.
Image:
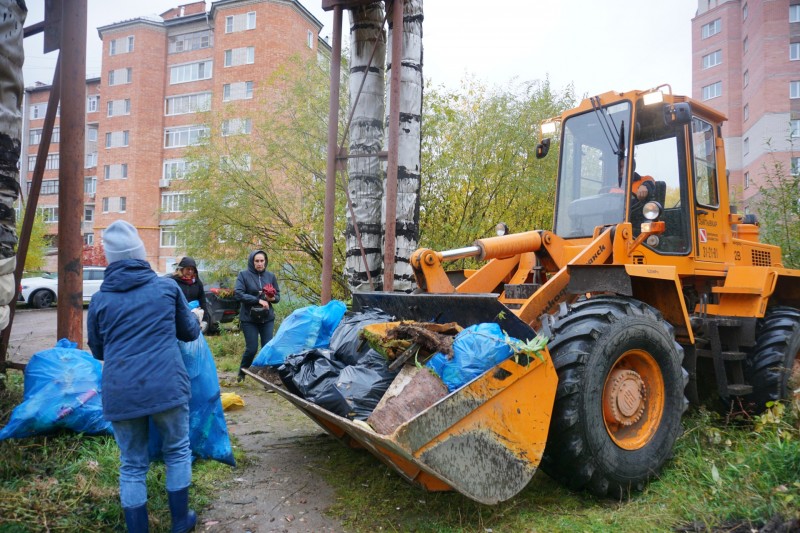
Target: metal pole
[(71, 163), (330, 174), (394, 133)]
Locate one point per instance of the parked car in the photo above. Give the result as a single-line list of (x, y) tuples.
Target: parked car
[(42, 291)]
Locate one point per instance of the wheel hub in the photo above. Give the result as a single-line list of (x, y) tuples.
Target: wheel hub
[(624, 398)]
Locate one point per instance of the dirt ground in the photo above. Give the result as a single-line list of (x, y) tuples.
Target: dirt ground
[(275, 489)]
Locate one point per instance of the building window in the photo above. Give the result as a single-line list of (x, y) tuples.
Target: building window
[(794, 128), (88, 213), (190, 72), (117, 139), (184, 136), (242, 90), (188, 103), (169, 238), (713, 59), (50, 164), (796, 166), (91, 103), (35, 136), (90, 185), (120, 76), (712, 28), (794, 51), (245, 21), (88, 239), (794, 89), (91, 134), (119, 107), (746, 78), (745, 11), (746, 146), (174, 202), (37, 111), (122, 45), (235, 163), (240, 56), (114, 204), (746, 111), (746, 180), (190, 41), (237, 126), (115, 172), (745, 45), (47, 187), (712, 91), (176, 169), (91, 160), (794, 13), (310, 39), (50, 214)]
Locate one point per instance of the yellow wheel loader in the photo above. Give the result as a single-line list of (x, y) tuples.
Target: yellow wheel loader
[(651, 290)]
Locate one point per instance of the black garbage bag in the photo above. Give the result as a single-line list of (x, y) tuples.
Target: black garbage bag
[(345, 341), (312, 375), (364, 384)]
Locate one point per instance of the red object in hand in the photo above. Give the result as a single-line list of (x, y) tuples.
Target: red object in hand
[(269, 290)]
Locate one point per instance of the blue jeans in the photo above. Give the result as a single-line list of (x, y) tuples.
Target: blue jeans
[(251, 332), (132, 438)]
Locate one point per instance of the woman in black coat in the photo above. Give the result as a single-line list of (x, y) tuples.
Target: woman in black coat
[(189, 282), (257, 289)]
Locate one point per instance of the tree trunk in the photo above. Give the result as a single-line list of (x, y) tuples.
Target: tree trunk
[(408, 160), (366, 137)]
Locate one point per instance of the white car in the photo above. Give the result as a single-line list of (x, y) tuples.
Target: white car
[(42, 291)]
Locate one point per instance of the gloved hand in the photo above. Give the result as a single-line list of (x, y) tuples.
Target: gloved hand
[(269, 290)]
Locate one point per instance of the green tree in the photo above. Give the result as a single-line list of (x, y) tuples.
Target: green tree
[(37, 244), (778, 208), (267, 189), (478, 161)]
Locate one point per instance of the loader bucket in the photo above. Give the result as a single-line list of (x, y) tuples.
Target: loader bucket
[(484, 440)]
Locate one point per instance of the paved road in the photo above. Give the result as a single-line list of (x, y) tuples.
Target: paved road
[(34, 330)]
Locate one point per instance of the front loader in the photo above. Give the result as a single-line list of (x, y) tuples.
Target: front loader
[(647, 302)]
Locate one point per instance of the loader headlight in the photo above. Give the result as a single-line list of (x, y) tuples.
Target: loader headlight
[(501, 229), (652, 210)]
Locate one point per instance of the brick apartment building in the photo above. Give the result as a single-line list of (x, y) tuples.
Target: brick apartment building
[(160, 77), (746, 64)]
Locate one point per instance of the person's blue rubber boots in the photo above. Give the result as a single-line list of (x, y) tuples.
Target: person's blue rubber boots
[(136, 519), (183, 518)]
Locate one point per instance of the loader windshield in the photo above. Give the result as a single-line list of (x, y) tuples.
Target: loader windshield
[(591, 177)]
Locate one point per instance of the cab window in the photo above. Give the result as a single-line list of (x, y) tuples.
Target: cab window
[(705, 163)]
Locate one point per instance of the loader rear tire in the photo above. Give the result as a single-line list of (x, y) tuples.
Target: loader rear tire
[(620, 396), (772, 367)]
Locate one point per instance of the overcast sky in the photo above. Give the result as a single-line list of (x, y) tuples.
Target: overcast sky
[(597, 46)]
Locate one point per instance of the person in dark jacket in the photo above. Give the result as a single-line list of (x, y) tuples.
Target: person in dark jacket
[(256, 288), (134, 323), (188, 280)]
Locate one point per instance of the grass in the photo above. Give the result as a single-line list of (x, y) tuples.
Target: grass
[(724, 473)]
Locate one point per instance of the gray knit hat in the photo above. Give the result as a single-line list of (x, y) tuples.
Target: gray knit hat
[(121, 241)]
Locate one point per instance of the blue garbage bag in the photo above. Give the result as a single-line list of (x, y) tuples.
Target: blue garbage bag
[(61, 391), (208, 432), (305, 329), (476, 349)]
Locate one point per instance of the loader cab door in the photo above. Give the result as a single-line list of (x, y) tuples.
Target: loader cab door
[(706, 192)]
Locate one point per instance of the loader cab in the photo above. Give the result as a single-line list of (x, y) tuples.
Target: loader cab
[(600, 144)]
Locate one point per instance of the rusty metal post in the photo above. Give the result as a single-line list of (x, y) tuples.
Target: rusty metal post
[(71, 163), (393, 144), (330, 174)]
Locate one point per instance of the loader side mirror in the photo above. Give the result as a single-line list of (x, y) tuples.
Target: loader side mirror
[(542, 148), (677, 114)]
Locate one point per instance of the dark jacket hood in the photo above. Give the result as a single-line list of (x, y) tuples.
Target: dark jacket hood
[(187, 262), (251, 265), (122, 276)]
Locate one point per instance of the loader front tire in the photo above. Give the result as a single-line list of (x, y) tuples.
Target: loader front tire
[(620, 395), (772, 367)]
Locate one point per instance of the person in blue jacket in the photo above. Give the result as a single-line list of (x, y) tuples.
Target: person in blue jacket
[(257, 289), (134, 323)]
